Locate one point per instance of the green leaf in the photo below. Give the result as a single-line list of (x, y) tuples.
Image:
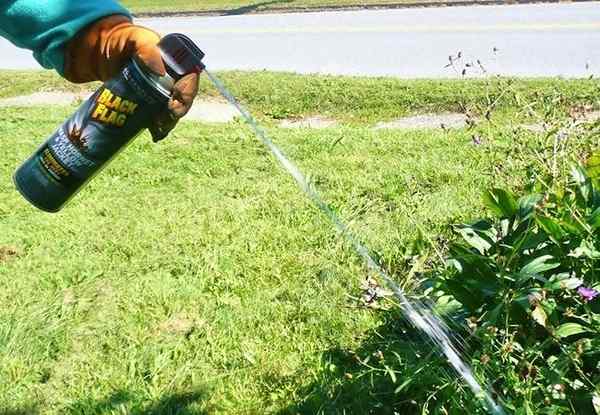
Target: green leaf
[(454, 263), (390, 371), (473, 265), (495, 313), (403, 385), (593, 166), (583, 182), (574, 227), (462, 294), (531, 241), (527, 205), (585, 249), (500, 202), (539, 315), (528, 409), (474, 237), (549, 306), (570, 329), (596, 403), (551, 227), (563, 282), (594, 219), (539, 265)]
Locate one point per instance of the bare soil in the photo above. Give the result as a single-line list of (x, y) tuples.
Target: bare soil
[(7, 253), (315, 122), (446, 120)]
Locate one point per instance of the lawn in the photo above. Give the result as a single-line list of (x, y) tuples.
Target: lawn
[(245, 6), (193, 277)]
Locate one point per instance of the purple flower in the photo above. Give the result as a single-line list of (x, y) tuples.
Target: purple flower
[(588, 294)]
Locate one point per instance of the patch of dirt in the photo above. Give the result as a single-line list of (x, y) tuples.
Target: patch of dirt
[(179, 325), (578, 118), (579, 115), (426, 121), (45, 98), (592, 116), (535, 128), (316, 122), (584, 113), (69, 297), (211, 112), (7, 252)]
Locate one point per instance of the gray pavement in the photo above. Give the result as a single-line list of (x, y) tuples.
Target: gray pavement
[(521, 40)]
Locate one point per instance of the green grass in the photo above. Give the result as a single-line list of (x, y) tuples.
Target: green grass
[(15, 82), (193, 275), (357, 100), (245, 6)]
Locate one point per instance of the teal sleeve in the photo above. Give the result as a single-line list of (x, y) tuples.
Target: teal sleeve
[(45, 26)]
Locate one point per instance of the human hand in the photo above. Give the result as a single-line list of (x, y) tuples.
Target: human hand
[(99, 52)]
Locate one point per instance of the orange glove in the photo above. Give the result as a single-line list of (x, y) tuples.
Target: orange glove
[(99, 52)]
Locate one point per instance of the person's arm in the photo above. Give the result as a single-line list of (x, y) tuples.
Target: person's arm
[(46, 26), (91, 40)]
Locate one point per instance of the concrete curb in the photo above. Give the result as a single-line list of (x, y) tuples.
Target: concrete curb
[(408, 5)]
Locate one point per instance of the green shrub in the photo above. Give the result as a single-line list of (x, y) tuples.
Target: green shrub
[(528, 279)]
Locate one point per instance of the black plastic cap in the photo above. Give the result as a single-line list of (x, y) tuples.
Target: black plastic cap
[(180, 55)]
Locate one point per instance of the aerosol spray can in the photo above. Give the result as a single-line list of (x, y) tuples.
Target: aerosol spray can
[(103, 126)]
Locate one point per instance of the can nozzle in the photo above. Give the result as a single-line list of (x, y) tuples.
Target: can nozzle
[(180, 55)]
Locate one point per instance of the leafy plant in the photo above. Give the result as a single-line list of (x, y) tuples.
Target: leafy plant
[(529, 280)]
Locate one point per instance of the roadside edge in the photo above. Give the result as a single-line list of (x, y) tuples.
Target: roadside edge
[(377, 6)]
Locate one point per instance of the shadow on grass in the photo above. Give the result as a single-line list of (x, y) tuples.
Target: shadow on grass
[(174, 404), (394, 371), (253, 7)]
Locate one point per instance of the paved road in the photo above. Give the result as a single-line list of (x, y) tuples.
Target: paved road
[(530, 40)]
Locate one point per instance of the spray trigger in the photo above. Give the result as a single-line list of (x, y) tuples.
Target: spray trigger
[(180, 55)]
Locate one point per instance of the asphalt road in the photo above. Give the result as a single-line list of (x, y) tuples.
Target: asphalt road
[(522, 40)]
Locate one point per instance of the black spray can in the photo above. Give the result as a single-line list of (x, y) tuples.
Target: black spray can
[(109, 120)]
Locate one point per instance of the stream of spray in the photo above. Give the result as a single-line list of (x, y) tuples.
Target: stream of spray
[(416, 312)]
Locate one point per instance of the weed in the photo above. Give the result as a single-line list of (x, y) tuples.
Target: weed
[(528, 281)]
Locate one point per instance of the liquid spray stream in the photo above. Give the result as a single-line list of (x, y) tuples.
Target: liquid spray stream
[(416, 312)]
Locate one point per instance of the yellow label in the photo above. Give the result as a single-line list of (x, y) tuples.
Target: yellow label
[(52, 165), (111, 109)]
